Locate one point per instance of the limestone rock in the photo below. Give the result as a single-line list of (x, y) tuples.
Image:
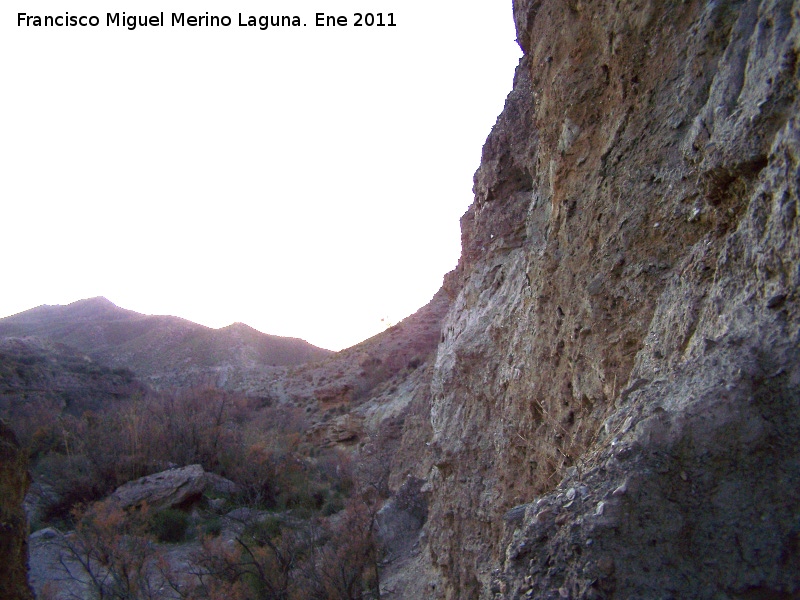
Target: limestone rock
[(345, 429), (400, 519), (626, 304), (166, 489), (222, 486)]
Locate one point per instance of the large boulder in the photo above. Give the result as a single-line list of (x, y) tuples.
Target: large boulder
[(167, 489)]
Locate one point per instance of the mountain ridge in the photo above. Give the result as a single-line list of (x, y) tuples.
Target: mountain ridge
[(156, 346)]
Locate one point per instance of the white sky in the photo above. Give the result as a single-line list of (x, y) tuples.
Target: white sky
[(306, 181)]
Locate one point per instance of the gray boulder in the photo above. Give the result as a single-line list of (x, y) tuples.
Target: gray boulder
[(221, 486), (166, 489)]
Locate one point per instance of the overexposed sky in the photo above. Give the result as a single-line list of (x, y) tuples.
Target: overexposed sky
[(307, 181)]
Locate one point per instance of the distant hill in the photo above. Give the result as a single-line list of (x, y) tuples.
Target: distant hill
[(162, 350)]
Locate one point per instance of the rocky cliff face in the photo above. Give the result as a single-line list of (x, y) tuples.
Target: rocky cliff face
[(619, 374), (14, 482)]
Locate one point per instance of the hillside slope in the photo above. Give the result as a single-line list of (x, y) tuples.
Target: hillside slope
[(41, 376), (164, 351)]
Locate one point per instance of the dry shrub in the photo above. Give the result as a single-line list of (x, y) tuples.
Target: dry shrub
[(111, 555)]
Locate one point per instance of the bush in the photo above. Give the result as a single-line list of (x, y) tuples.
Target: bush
[(73, 480), (333, 504), (212, 527), (110, 555), (262, 531), (169, 525)]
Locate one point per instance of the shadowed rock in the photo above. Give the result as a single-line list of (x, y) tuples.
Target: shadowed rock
[(14, 482)]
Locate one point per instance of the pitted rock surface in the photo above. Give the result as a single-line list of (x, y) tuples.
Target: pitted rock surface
[(625, 314)]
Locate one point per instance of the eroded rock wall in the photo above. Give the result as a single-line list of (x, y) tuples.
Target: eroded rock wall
[(626, 311), (14, 482)]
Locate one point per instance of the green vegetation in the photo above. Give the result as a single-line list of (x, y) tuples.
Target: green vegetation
[(169, 525), (212, 527)]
